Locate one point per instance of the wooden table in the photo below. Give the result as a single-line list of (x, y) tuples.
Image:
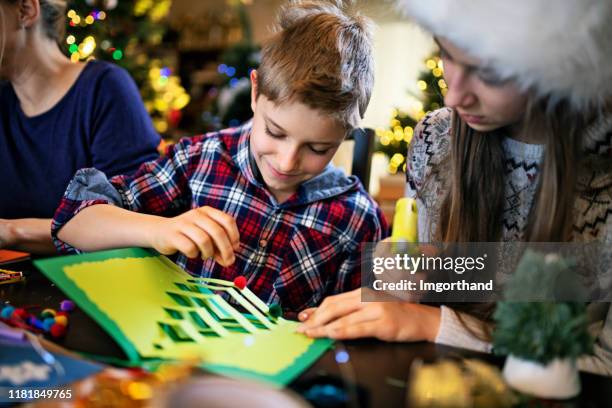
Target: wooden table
[(380, 369)]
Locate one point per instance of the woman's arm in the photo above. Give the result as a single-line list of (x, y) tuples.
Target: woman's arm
[(27, 234)]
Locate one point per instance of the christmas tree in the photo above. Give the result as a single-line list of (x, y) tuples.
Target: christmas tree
[(231, 105), (129, 33), (393, 142)]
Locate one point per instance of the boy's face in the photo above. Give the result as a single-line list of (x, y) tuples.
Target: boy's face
[(291, 143)]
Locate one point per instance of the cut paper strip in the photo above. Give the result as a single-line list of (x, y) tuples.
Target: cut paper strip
[(153, 309), (246, 292)]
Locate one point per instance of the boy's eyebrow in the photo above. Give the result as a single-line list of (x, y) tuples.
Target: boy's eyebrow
[(276, 125), (273, 123)]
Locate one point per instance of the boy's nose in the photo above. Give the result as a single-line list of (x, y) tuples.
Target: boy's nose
[(288, 161)]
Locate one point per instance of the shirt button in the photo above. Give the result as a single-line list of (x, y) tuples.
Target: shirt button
[(263, 243)]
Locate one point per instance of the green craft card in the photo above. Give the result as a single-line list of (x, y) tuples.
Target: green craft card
[(153, 309)]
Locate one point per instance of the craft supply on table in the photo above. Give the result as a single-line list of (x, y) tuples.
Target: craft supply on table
[(9, 256), (48, 321), (7, 276)]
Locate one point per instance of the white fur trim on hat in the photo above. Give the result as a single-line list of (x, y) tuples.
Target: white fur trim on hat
[(560, 48)]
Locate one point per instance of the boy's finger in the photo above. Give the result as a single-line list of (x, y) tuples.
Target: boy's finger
[(201, 239), (219, 237), (219, 259), (228, 223), (185, 245)]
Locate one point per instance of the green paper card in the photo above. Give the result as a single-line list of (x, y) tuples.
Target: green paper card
[(153, 309)]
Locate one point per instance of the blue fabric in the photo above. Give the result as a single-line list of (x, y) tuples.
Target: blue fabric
[(100, 122)]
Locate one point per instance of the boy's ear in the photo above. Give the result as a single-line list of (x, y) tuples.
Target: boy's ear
[(253, 89), (29, 12)]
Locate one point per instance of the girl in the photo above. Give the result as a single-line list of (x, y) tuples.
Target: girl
[(55, 118), (521, 153)]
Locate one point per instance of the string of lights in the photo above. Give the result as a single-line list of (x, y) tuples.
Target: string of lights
[(394, 141)]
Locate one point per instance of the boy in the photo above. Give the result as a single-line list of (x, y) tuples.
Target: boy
[(262, 199)]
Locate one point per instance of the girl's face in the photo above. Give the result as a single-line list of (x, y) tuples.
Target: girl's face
[(482, 100)]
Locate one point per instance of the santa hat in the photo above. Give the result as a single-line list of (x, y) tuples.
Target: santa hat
[(560, 48)]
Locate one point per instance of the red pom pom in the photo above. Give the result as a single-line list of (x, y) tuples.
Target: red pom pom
[(20, 313), (57, 330), (240, 282), (61, 314)]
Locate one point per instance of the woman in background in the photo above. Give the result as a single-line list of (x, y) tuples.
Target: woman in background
[(55, 118)]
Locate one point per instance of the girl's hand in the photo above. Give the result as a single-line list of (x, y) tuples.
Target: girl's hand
[(344, 316), (203, 232)]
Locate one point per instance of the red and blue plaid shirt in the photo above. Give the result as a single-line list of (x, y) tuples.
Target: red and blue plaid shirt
[(294, 253)]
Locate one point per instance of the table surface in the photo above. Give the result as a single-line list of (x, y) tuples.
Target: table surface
[(380, 369)]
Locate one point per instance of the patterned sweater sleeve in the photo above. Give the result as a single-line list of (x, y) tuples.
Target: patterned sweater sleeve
[(426, 154)]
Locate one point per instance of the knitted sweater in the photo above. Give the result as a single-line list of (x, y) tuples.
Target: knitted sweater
[(430, 148)]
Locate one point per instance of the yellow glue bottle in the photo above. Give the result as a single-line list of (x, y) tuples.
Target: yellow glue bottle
[(405, 221)]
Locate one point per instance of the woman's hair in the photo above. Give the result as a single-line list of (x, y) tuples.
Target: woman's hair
[(53, 18), (477, 165), (473, 206)]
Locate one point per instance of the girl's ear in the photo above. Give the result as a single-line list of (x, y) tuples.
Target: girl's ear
[(254, 90), (29, 13)]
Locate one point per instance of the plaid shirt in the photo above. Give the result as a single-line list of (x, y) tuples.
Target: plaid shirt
[(294, 253)]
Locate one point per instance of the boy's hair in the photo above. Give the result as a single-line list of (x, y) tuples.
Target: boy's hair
[(321, 57)]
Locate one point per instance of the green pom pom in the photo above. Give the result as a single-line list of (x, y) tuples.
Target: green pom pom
[(275, 310)]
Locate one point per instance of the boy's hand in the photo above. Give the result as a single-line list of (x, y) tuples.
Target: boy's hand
[(203, 232), (345, 316)]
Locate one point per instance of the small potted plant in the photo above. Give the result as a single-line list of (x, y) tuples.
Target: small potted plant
[(542, 339)]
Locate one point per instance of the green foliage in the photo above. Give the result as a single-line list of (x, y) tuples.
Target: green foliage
[(541, 331)]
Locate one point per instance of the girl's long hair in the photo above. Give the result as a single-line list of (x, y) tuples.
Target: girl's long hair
[(473, 207)]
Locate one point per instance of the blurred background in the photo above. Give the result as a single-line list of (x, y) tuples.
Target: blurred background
[(191, 61)]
